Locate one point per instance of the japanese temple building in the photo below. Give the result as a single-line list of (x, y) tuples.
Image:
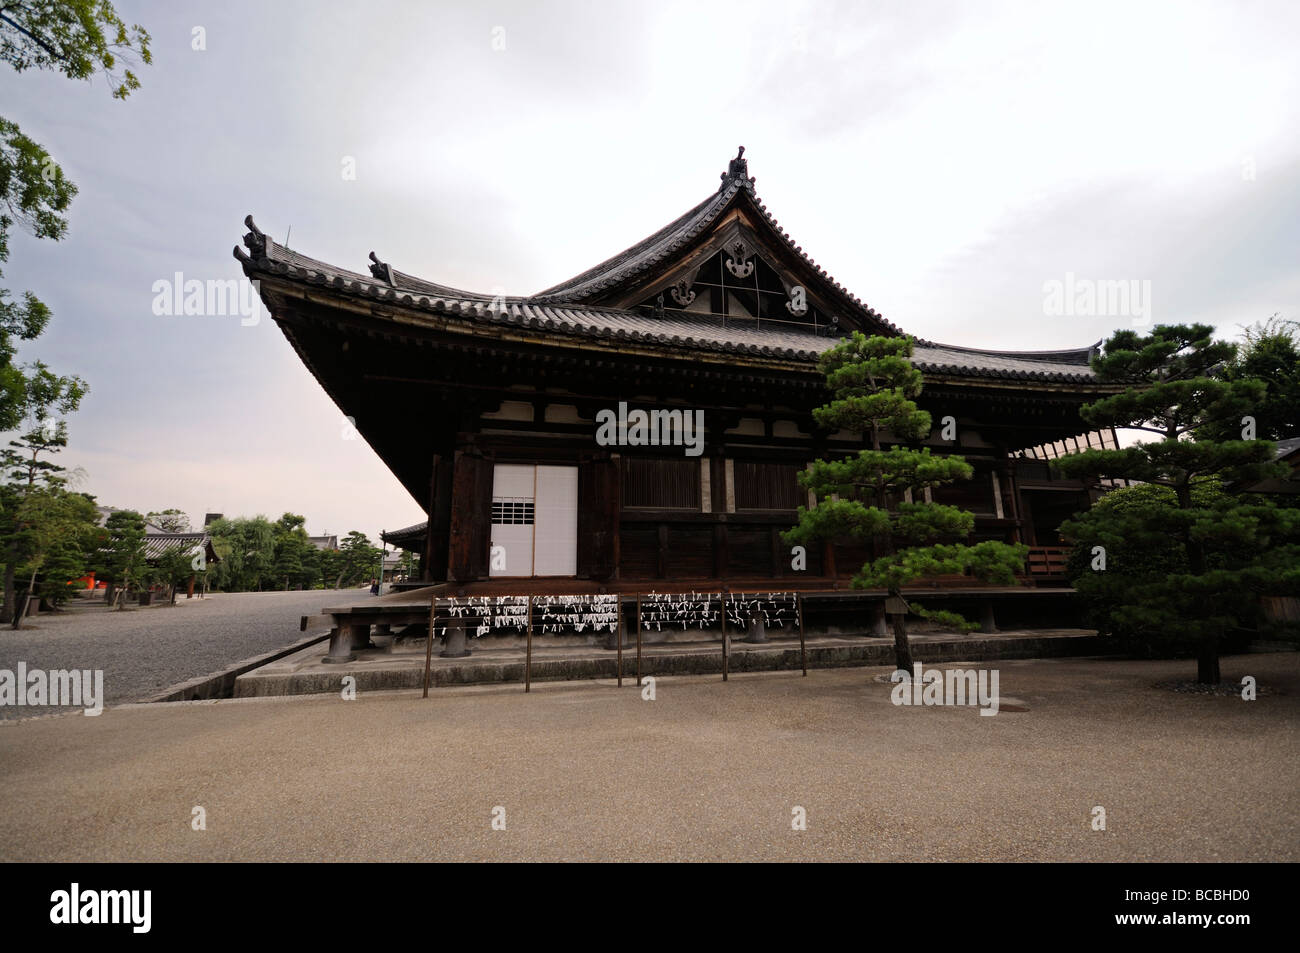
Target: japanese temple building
[(717, 317)]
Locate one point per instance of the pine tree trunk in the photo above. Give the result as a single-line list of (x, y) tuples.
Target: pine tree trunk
[(26, 602), (11, 594), (902, 648)]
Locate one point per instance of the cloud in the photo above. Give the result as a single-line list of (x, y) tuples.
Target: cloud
[(941, 161)]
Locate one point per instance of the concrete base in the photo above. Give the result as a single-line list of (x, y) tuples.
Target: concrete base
[(456, 647), (304, 673)]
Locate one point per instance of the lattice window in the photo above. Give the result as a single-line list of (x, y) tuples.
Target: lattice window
[(512, 511)]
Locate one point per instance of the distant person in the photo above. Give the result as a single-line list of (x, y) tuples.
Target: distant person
[(374, 587)]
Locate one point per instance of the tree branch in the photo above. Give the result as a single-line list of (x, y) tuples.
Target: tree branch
[(28, 33)]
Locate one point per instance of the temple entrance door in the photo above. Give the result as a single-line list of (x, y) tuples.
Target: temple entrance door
[(534, 520), (555, 538), (513, 499)]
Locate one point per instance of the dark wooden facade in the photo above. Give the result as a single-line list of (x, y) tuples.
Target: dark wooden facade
[(719, 312)]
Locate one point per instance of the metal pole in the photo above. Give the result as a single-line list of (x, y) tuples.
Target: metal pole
[(619, 637), (428, 644), (803, 652), (528, 661), (638, 639)]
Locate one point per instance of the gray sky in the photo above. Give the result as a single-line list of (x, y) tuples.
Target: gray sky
[(942, 161)]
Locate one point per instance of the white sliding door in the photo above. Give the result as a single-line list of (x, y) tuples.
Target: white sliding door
[(534, 520), (512, 520), (555, 540)]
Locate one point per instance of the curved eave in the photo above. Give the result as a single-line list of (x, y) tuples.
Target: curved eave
[(624, 331)]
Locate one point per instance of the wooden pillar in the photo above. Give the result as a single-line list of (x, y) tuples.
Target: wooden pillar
[(1013, 493), (436, 540), (1027, 534), (361, 637), (599, 512), (340, 643), (718, 497), (471, 516)]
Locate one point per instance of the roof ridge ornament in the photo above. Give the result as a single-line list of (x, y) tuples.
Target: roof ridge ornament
[(381, 270), (737, 173), (254, 240), (738, 264)]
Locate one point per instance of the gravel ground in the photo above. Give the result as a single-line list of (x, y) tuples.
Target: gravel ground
[(706, 771), (143, 651)]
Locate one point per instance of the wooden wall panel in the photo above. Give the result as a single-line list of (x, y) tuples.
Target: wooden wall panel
[(690, 552), (766, 486), (639, 551), (661, 483), (750, 551)]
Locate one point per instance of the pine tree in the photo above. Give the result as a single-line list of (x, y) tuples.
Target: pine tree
[(123, 557), (1232, 549), (869, 497)]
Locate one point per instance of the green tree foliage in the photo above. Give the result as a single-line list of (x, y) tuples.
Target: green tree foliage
[(176, 566), (360, 559), (26, 468), (121, 561), (246, 547), (1270, 355), (408, 565), (60, 533), (1229, 549), (34, 194), (295, 561), (79, 38), (1143, 561), (257, 554), (44, 398), (873, 385)]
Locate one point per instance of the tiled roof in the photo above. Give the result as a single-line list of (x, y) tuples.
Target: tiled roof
[(655, 250), (406, 534), (158, 544), (572, 308), (645, 253), (697, 332)]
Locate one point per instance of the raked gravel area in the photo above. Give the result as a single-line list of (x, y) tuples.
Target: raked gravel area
[(145, 650), (706, 771)]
